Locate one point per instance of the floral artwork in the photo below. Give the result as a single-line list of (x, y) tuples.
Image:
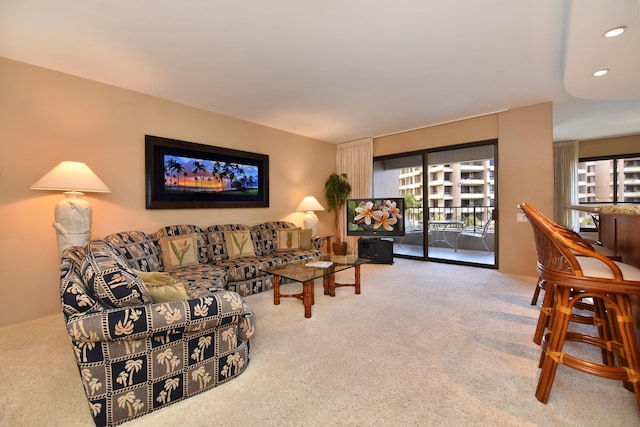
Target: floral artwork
[(370, 215)]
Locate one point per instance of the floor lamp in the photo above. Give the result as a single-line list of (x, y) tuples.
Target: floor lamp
[(73, 213), (308, 205)]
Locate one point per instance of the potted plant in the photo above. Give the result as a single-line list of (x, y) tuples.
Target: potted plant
[(336, 191)]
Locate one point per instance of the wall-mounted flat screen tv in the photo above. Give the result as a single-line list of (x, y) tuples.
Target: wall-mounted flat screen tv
[(375, 217)]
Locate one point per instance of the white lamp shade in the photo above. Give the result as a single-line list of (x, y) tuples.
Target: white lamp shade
[(309, 203), (73, 213), (71, 176)]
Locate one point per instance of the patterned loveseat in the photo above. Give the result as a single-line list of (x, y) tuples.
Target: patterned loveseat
[(137, 351)]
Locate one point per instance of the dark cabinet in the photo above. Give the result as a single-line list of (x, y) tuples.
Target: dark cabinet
[(377, 250)]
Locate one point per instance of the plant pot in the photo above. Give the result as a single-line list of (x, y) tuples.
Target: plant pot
[(340, 248)]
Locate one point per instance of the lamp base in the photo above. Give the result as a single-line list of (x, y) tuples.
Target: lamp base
[(310, 221), (72, 221)]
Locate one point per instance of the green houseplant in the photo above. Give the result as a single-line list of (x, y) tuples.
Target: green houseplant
[(336, 191)]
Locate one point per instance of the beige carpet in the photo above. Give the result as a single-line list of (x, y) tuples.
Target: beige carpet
[(424, 344)]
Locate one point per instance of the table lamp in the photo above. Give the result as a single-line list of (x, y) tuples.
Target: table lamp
[(308, 205), (73, 213)]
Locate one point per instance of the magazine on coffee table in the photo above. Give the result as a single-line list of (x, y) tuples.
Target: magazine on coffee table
[(319, 264)]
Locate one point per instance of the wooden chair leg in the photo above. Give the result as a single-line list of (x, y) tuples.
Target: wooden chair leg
[(536, 292), (552, 347), (545, 312), (627, 338), (606, 329)]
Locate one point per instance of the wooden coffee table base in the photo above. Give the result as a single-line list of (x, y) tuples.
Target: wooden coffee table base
[(301, 273), (330, 284), (307, 294)]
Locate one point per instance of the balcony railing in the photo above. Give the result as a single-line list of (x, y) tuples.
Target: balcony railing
[(469, 215), (441, 227)]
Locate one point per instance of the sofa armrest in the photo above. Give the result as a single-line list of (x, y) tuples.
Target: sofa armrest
[(144, 321)]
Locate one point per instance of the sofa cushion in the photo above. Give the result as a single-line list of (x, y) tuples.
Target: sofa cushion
[(244, 268), (216, 248), (201, 278), (179, 251), (139, 249), (239, 244), (109, 278), (182, 229), (294, 255)]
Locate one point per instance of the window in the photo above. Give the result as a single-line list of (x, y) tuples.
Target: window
[(607, 180)]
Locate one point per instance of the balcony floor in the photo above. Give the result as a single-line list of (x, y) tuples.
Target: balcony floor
[(448, 254)]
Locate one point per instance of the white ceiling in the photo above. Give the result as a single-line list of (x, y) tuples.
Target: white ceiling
[(340, 70)]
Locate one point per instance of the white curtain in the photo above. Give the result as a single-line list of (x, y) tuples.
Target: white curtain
[(355, 158), (565, 156)]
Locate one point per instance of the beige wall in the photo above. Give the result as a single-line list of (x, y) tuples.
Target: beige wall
[(525, 169), (47, 117), (629, 144), (525, 156), (461, 132)]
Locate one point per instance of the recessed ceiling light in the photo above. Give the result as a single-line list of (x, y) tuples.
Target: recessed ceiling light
[(600, 73), (615, 31)]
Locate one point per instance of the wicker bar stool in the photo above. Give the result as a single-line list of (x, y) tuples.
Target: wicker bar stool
[(547, 256), (578, 238), (576, 273)]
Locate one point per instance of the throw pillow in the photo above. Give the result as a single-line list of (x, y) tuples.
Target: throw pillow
[(155, 277), (179, 251), (238, 244), (287, 238), (305, 239), (163, 287)]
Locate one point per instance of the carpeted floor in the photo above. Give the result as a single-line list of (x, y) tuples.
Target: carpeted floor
[(424, 344)]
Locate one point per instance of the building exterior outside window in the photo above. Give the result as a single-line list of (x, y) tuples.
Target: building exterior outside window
[(464, 185), (609, 180)]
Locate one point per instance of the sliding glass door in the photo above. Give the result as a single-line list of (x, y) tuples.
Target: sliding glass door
[(460, 211), (450, 202)]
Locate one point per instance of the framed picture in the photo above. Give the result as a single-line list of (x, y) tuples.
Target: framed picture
[(186, 175)]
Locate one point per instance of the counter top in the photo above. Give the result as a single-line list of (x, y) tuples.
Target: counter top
[(609, 209)]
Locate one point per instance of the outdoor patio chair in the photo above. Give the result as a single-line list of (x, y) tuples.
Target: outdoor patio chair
[(475, 232)]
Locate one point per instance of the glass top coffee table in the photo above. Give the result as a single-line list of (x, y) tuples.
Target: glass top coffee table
[(299, 272)]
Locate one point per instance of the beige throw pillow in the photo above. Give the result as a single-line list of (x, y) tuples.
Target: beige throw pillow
[(287, 238), (162, 287), (239, 244), (293, 238), (305, 239), (179, 251)]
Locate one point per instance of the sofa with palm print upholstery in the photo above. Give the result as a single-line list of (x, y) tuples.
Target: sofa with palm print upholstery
[(157, 318)]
